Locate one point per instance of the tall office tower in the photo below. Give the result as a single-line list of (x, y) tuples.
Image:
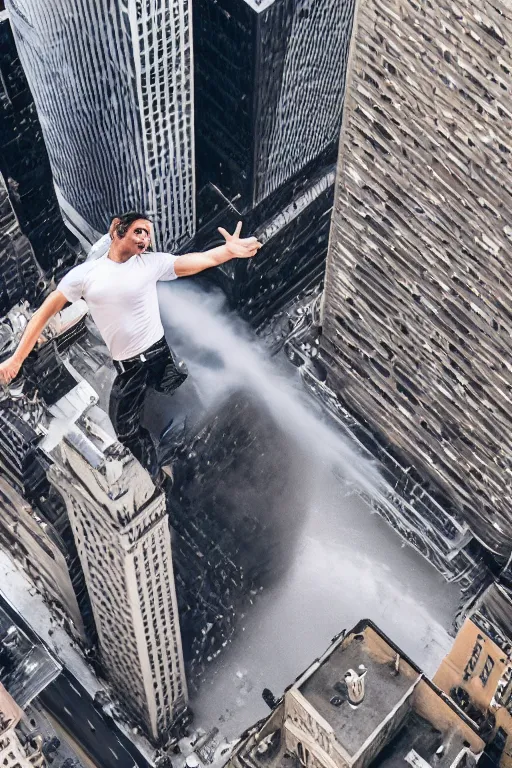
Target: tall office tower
[(122, 534), (269, 91), (269, 87), (25, 166), (113, 88), (416, 312)]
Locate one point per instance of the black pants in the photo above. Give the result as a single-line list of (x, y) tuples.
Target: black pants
[(158, 369)]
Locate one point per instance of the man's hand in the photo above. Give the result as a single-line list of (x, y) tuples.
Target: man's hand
[(53, 303), (235, 247), (9, 369), (240, 248)]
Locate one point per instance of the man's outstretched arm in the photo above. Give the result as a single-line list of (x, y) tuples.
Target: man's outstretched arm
[(235, 247), (9, 369)]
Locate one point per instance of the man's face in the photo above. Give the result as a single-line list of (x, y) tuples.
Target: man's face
[(138, 236)]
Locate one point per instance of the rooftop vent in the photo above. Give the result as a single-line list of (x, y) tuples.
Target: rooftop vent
[(355, 685)]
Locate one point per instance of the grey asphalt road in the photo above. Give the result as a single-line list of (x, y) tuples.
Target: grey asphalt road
[(72, 707), (96, 733)]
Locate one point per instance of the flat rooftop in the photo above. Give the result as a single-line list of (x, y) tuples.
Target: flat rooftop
[(30, 668), (384, 689), (419, 737), (430, 729)]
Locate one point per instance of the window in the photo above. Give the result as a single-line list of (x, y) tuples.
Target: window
[(486, 671)]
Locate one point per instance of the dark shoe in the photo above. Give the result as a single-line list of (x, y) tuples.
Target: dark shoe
[(163, 478), (168, 470)]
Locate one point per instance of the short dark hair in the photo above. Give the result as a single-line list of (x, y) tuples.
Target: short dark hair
[(126, 219)]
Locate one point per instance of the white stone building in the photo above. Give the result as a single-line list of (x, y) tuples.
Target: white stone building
[(121, 529)]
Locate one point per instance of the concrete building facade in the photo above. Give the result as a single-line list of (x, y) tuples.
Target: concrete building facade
[(122, 533), (24, 164), (35, 544), (477, 673), (416, 312), (113, 88)]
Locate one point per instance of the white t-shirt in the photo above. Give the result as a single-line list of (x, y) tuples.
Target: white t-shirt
[(122, 299)]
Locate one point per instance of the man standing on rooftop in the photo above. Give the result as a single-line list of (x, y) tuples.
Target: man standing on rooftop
[(120, 290)]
